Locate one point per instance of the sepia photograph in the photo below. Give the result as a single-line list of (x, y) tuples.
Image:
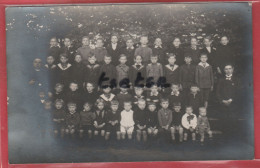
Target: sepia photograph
[(130, 82)]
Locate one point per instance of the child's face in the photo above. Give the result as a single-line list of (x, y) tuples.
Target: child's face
[(107, 60), (123, 89), (177, 108), (224, 40), (158, 42), (100, 106), (64, 60), (37, 63), (58, 105), (99, 43), (139, 91), (193, 42), (78, 58), (47, 105), (107, 90), (203, 58), (114, 39), (203, 112), (187, 60), (138, 59), (85, 41), (165, 104), (53, 42), (72, 108), (229, 70), (154, 88), (122, 60), (114, 107), (175, 88), (129, 43), (89, 87), (141, 104), (67, 42), (194, 89), (127, 106), (152, 107), (176, 42), (42, 95), (92, 60), (144, 40), (189, 110), (171, 60), (87, 107), (59, 88), (154, 60), (50, 60), (73, 87), (207, 42)]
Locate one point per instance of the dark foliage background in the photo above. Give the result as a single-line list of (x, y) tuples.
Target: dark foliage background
[(29, 30)]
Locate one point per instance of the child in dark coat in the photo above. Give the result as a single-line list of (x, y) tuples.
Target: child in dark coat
[(204, 78), (171, 71), (69, 50), (152, 119), (64, 70), (176, 121), (107, 72), (140, 118), (187, 76), (59, 118), (114, 50), (144, 51), (129, 51), (100, 120), (137, 72), (159, 50), (54, 49), (113, 119), (177, 50), (72, 119), (87, 117), (92, 74), (193, 51), (194, 99), (78, 69)]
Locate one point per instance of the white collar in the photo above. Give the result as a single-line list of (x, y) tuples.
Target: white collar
[(194, 48), (123, 93), (157, 46), (107, 99), (170, 68), (229, 76), (201, 64), (37, 70), (130, 48), (130, 111), (177, 94), (68, 65), (154, 94)]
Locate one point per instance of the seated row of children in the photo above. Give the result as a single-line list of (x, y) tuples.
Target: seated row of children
[(145, 120)]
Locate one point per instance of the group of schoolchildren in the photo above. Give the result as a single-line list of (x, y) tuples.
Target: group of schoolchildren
[(125, 91)]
